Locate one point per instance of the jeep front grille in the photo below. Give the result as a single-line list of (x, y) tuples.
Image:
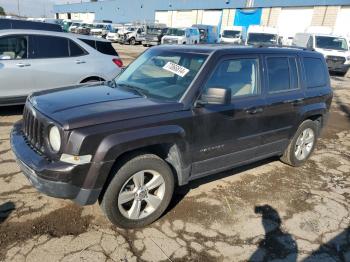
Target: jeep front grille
[(33, 130)]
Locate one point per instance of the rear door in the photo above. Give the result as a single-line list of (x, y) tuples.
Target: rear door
[(284, 99), (55, 61), (15, 68)]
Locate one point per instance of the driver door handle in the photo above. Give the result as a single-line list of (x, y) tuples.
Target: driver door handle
[(23, 64), (254, 110), (79, 62)]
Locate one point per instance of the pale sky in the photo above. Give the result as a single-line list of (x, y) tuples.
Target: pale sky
[(33, 8)]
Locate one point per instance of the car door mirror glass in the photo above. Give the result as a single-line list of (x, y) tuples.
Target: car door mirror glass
[(215, 96)]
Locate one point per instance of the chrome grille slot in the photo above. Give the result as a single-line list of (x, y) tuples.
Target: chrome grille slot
[(33, 130)]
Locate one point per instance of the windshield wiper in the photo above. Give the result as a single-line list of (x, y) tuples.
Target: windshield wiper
[(138, 90)]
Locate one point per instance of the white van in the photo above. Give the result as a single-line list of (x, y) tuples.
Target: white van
[(334, 48), (231, 35), (262, 35), (189, 35)]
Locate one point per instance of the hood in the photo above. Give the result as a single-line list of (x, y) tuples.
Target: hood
[(80, 106), (173, 37), (330, 52)]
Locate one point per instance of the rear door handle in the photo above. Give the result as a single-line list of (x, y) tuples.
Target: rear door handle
[(79, 62), (22, 64), (297, 102), (254, 111)]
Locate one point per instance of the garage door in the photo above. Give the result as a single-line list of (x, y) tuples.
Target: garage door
[(294, 20), (343, 21), (183, 18), (162, 17), (212, 17)]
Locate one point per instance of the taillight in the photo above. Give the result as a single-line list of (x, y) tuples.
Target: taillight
[(118, 62)]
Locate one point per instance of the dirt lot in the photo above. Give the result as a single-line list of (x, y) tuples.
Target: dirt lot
[(262, 212)]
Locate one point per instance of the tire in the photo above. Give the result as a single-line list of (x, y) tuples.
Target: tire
[(124, 177), (290, 154), (132, 41)]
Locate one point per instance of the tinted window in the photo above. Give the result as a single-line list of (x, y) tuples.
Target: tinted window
[(238, 75), (91, 43), (106, 48), (278, 74), (315, 72), (75, 49), (13, 47), (103, 47), (49, 47), (294, 79)]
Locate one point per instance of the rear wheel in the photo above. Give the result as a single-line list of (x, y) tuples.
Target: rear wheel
[(303, 144), (139, 192)]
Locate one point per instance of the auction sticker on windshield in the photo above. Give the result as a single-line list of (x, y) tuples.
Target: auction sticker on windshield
[(176, 69)]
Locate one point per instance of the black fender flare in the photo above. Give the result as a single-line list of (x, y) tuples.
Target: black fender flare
[(113, 146)]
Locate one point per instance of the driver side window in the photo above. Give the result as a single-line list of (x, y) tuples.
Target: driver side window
[(240, 76), (13, 47)]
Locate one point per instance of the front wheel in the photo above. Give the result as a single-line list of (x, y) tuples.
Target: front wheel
[(132, 41), (303, 144), (139, 192)]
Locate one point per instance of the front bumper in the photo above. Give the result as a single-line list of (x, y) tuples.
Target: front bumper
[(53, 178), (150, 42), (338, 68)]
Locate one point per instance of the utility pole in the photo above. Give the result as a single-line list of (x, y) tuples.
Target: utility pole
[(18, 8)]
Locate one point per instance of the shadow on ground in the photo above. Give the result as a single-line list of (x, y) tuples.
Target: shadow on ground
[(11, 110), (6, 210)]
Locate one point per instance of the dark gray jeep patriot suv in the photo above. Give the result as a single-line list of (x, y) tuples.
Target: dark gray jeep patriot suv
[(177, 113)]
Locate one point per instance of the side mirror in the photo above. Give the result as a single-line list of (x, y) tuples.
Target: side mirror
[(220, 35), (215, 96)]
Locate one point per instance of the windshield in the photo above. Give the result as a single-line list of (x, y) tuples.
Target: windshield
[(114, 30), (329, 42), (75, 24), (231, 33), (99, 26), (154, 31), (175, 32), (261, 38), (131, 29), (160, 74)]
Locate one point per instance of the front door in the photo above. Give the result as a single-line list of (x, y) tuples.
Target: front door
[(228, 135)]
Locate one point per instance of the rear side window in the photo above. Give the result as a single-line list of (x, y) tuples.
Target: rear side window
[(278, 74), (49, 47), (282, 74), (315, 72), (75, 49), (106, 48), (103, 47)]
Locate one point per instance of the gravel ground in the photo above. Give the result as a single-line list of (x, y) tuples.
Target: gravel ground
[(262, 212)]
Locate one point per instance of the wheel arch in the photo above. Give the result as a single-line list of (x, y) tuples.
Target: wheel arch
[(167, 142)]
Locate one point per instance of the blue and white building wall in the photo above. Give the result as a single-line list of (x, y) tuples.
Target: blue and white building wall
[(289, 16)]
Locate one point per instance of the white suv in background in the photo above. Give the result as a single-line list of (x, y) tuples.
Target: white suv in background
[(180, 36), (33, 60)]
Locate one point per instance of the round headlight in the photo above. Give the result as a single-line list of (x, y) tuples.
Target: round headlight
[(55, 138)]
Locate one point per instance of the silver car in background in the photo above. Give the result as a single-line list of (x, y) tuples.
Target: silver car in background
[(34, 60)]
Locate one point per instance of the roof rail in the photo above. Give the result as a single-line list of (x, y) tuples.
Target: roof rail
[(284, 46)]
